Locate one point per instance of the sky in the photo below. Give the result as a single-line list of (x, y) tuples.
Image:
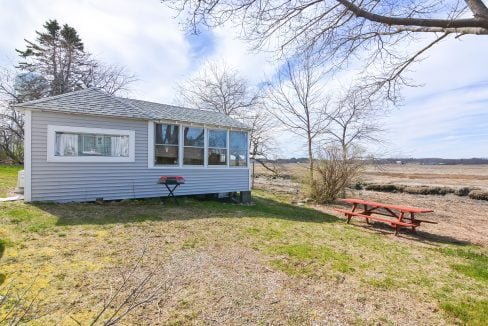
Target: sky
[(447, 117)]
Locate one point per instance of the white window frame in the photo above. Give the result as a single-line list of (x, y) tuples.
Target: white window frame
[(182, 146), (207, 147), (182, 125), (151, 144), (51, 144), (248, 142)]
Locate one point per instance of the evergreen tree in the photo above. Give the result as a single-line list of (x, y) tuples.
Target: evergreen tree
[(53, 64), (58, 56)]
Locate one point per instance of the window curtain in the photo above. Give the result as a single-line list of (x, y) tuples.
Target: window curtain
[(67, 145), (119, 146)]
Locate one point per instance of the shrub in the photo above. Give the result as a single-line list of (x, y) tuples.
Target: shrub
[(464, 191), (383, 187), (479, 194), (427, 190), (332, 175)]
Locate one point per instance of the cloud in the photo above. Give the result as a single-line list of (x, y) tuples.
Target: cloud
[(447, 117)]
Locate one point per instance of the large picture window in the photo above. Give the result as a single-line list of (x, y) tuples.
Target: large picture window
[(166, 147), (79, 144), (238, 148), (194, 146), (82, 144), (217, 147)]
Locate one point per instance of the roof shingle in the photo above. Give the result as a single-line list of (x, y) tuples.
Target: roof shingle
[(96, 102)]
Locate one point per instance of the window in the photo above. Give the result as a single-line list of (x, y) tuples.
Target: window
[(217, 147), (81, 144), (166, 147), (238, 148), (194, 146)]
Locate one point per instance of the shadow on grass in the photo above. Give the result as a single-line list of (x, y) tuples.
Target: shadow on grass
[(136, 211), (421, 236)]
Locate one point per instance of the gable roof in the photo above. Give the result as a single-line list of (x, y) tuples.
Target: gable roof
[(96, 102)]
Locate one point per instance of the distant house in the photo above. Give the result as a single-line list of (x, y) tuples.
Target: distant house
[(87, 144)]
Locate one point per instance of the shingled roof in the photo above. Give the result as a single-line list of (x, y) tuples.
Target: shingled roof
[(96, 102)]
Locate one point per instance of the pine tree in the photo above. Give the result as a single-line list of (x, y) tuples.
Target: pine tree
[(58, 56), (53, 64)]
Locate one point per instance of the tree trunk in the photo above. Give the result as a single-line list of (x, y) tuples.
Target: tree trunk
[(310, 158)]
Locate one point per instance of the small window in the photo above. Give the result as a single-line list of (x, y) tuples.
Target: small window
[(238, 148), (217, 147), (79, 144), (166, 144), (194, 146)]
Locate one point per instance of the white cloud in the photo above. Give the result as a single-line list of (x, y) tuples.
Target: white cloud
[(440, 119), (141, 35)]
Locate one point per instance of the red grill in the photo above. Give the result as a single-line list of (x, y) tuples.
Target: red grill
[(172, 180)]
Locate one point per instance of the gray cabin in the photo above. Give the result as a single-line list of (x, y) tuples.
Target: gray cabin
[(86, 145)]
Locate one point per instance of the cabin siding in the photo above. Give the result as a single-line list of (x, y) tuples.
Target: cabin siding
[(86, 181)]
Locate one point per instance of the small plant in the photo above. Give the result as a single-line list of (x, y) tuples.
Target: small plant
[(384, 187), (479, 194), (427, 190), (464, 191)]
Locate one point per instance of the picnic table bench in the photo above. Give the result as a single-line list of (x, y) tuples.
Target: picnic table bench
[(398, 216)]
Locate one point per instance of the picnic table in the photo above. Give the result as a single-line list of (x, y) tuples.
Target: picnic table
[(398, 215)]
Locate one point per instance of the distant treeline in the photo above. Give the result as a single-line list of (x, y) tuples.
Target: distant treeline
[(434, 161), (427, 161)]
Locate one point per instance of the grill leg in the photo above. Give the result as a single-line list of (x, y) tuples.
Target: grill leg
[(171, 192)]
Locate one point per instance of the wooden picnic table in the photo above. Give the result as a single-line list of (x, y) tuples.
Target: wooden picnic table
[(399, 215)]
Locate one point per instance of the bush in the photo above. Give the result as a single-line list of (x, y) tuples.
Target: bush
[(464, 191), (479, 194), (332, 175), (427, 190), (384, 187)]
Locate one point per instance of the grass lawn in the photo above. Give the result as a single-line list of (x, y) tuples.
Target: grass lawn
[(8, 179), (232, 264)]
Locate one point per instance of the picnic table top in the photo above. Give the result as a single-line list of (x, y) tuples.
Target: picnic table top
[(401, 208)]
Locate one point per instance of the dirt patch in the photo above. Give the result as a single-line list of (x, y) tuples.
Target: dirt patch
[(235, 286)]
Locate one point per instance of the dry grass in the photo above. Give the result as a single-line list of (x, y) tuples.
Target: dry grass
[(270, 263), (432, 175)]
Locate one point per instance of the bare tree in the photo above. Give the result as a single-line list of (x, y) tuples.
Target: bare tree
[(354, 120), (370, 32), (262, 142), (111, 78), (12, 121), (296, 99), (218, 88)]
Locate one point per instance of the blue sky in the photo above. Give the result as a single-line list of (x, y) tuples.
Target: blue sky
[(447, 117)]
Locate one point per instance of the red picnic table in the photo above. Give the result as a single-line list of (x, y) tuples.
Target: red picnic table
[(403, 216)]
